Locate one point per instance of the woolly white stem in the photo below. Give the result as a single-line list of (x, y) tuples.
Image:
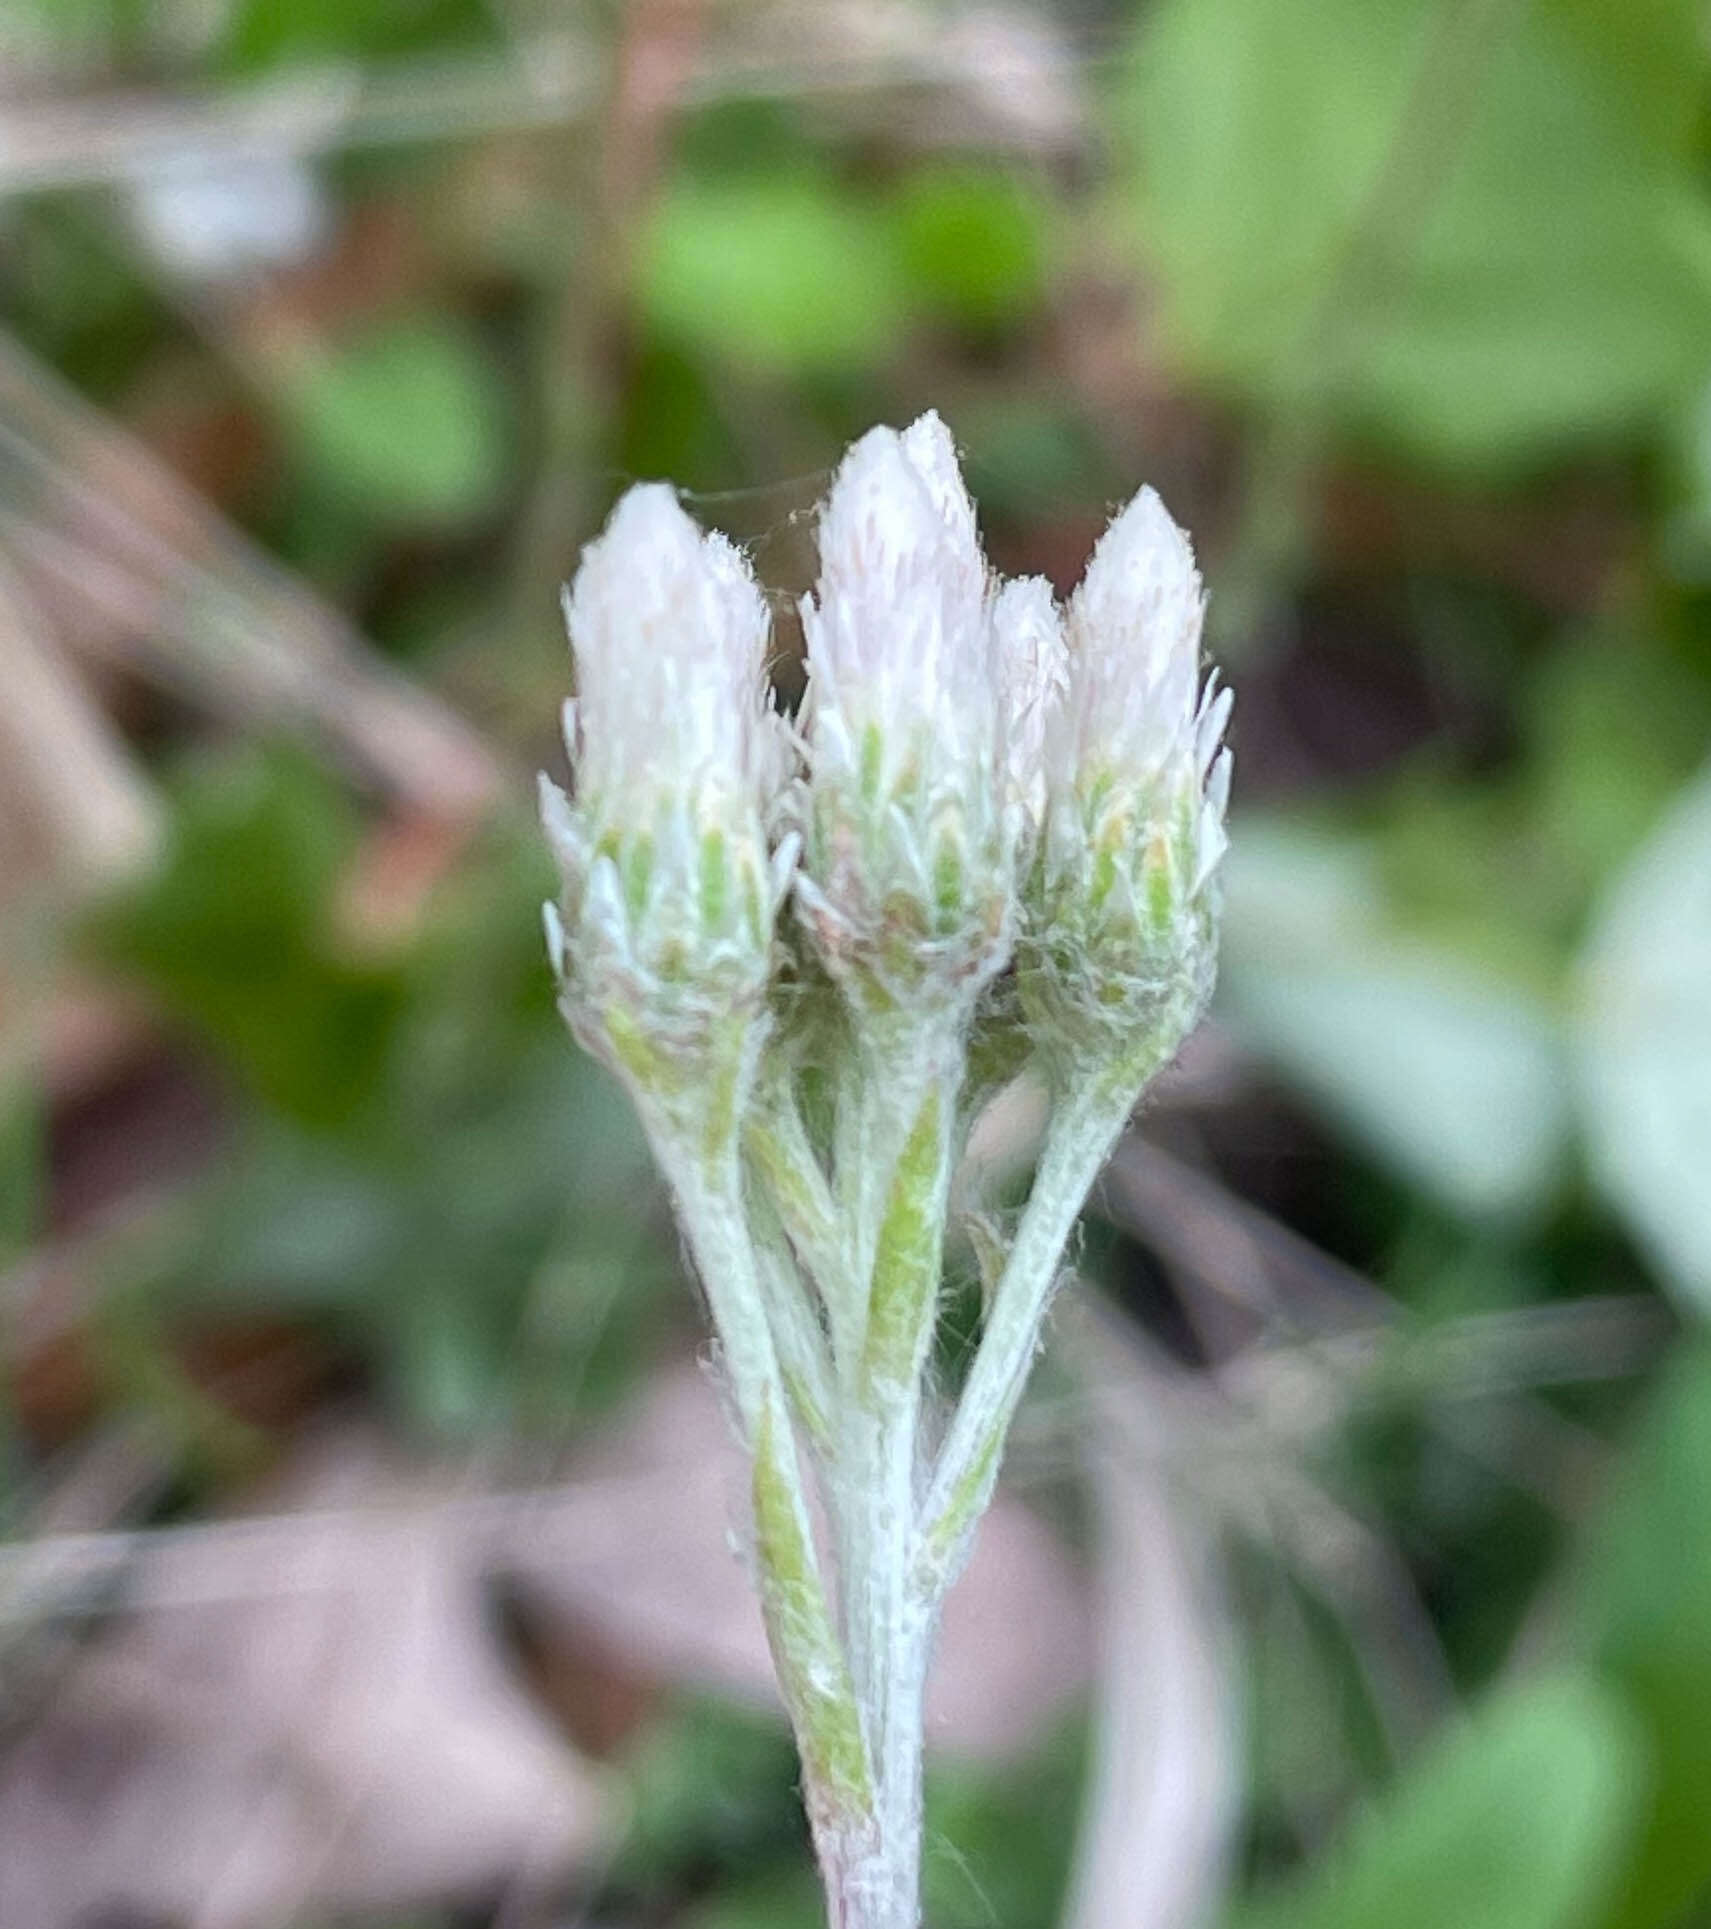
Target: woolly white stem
[(784, 1163), (1085, 1126), (707, 1193), (838, 1772), (889, 1632), (909, 1102)]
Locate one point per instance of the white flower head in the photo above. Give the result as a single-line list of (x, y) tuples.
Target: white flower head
[(1134, 640), (908, 841), (669, 632), (899, 647), (1122, 917), (1033, 661), (1137, 730), (677, 762)]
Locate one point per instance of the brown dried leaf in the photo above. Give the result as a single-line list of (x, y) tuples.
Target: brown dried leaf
[(312, 1719)]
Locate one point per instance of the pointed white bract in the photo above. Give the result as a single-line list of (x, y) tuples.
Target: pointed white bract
[(1134, 626), (899, 646), (1136, 782), (1135, 725), (669, 632), (1033, 658), (677, 759)]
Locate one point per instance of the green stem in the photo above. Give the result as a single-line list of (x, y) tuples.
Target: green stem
[(1085, 1126), (705, 1175), (797, 1334), (889, 1627), (913, 1074), (782, 1159)]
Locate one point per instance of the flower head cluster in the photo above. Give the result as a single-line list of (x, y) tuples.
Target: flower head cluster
[(980, 777), (977, 768)]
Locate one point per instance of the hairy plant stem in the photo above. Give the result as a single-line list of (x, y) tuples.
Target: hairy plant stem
[(888, 1631), (855, 1687), (907, 1133), (706, 1179), (889, 1628), (1092, 1108), (784, 1164)]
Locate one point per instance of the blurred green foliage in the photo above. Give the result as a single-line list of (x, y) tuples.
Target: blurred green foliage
[(1473, 231), (22, 1173), (406, 424), (233, 932), (715, 1789), (760, 269), (261, 34), (1516, 1821), (429, 1165), (1647, 1044), (1644, 1604)]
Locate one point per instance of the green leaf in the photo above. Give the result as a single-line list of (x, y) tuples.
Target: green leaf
[(1454, 1078), (265, 33), (1618, 725), (1472, 230), (448, 1357), (1007, 1837), (711, 1782), (973, 244), (408, 421), (234, 934), (784, 277), (23, 1168), (805, 1651), (1645, 1039), (305, 1228), (786, 1899), (1517, 1819), (1029, 456), (1644, 1605), (905, 1286)]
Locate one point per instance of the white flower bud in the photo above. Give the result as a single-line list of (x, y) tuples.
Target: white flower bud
[(1034, 670), (907, 873), (1121, 913), (669, 633), (1135, 648), (677, 759)]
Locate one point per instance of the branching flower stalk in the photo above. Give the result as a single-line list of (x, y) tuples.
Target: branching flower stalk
[(987, 847)]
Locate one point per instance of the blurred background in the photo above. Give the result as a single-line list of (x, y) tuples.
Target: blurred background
[(367, 1521)]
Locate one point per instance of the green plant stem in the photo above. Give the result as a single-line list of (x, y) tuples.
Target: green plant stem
[(909, 1097), (856, 1690), (1086, 1123), (707, 1192), (783, 1161), (889, 1627), (813, 1673), (800, 1343)]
